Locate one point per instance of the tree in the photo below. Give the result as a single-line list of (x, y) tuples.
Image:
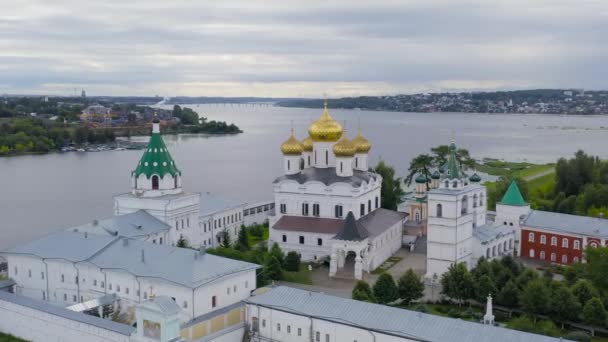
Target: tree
[(391, 191), (182, 242), (485, 287), (597, 266), (421, 164), (242, 242), (509, 295), (441, 153), (458, 283), (525, 277), (226, 239), (292, 261), (564, 305), (583, 290), (276, 251), (535, 298), (363, 292), (385, 290), (272, 268), (594, 312), (410, 287)]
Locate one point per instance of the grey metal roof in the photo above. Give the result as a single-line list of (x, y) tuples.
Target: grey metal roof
[(489, 232), (211, 204), (43, 306), (136, 224), (94, 303), (379, 220), (173, 264), (385, 319), (328, 176), (564, 223), (166, 305), (351, 230)]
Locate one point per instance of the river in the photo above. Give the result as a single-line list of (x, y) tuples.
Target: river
[(42, 193)]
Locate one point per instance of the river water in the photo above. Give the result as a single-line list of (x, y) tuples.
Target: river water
[(39, 194)]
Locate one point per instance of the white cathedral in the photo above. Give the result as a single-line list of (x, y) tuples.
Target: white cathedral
[(327, 203)]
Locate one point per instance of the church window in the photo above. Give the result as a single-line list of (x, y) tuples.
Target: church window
[(65, 297), (377, 202), (117, 288), (369, 206), (29, 273), (542, 255), (214, 302), (531, 253), (154, 241), (155, 182), (531, 237), (185, 304), (447, 184), (455, 184), (554, 241), (553, 257), (316, 209), (227, 290), (63, 278), (565, 243), (326, 157), (160, 240), (288, 165), (543, 239), (43, 295), (318, 336), (362, 209), (175, 182), (41, 275), (439, 210), (284, 238), (564, 259), (126, 290), (320, 242), (338, 211), (301, 240), (283, 208), (299, 331), (176, 224), (304, 209), (74, 298), (308, 160), (481, 200), (188, 222), (289, 329), (356, 162), (263, 323), (464, 205), (16, 271), (278, 326), (341, 167), (103, 285), (577, 244), (109, 286), (182, 223)]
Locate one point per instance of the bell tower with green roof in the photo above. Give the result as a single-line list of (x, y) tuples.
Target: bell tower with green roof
[(156, 173), (511, 210)]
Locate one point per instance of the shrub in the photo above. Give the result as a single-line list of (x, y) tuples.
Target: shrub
[(579, 336), (292, 261), (385, 289)]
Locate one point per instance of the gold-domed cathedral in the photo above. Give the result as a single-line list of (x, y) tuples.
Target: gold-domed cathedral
[(327, 202)]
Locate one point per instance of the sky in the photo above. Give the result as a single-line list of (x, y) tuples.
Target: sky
[(292, 48)]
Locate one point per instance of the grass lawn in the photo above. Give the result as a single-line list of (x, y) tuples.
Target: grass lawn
[(254, 240), (9, 338), (387, 264), (512, 169), (303, 276)]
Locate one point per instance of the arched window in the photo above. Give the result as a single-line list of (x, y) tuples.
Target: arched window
[(357, 162), (504, 246), (593, 244), (564, 259), (543, 239), (488, 253), (417, 216), (553, 257), (341, 167), (577, 244), (338, 210), (475, 201), (510, 243), (455, 184), (464, 205), (377, 202), (175, 182), (542, 255), (494, 251), (565, 243), (531, 237), (481, 200), (304, 209), (447, 184), (288, 165), (531, 253), (155, 182), (439, 210), (326, 157)]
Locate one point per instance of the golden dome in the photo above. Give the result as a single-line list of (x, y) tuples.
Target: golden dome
[(325, 129), (307, 144), (292, 146), (344, 148), (362, 144)]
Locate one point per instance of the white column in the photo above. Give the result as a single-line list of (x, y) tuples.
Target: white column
[(358, 267), (488, 318), (333, 264)]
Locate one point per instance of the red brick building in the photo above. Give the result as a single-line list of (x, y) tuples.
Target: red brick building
[(560, 238)]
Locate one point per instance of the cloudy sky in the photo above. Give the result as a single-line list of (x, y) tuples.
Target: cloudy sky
[(303, 48)]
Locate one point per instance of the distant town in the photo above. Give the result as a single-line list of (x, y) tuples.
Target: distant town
[(540, 101)]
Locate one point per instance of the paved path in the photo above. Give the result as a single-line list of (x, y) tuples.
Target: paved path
[(538, 175)]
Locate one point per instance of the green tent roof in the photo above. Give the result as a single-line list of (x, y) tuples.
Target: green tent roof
[(513, 196), (156, 159)]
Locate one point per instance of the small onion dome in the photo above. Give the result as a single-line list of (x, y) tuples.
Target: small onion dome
[(362, 144), (345, 148), (307, 144), (421, 179), (436, 175), (326, 129), (292, 146), (475, 178)]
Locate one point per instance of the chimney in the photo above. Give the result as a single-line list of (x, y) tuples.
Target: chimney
[(143, 257)]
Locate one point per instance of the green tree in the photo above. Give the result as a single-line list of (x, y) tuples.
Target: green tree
[(458, 283), (292, 261), (385, 290), (276, 251), (583, 290), (421, 164), (410, 287), (485, 287), (272, 268), (535, 298), (226, 242), (525, 277), (508, 295), (242, 242), (182, 242), (363, 292), (391, 191), (597, 266), (594, 312), (564, 305), (441, 152)]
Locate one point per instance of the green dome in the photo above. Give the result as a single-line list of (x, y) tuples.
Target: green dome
[(475, 178), (436, 175), (421, 179), (156, 160)]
